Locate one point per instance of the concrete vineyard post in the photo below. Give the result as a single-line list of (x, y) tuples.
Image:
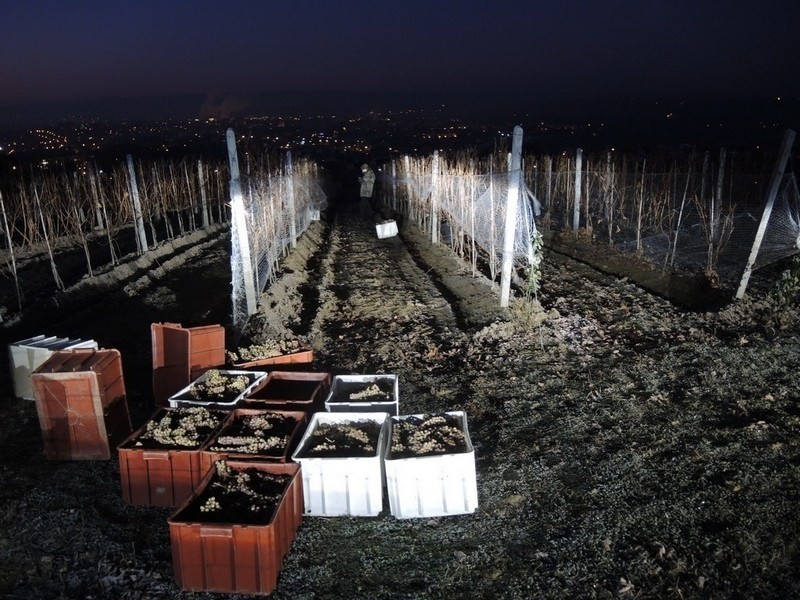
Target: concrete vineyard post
[(511, 217), (141, 237), (777, 175), (239, 238), (435, 199), (290, 200), (576, 210)]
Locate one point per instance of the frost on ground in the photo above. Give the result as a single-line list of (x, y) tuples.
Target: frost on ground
[(625, 447)]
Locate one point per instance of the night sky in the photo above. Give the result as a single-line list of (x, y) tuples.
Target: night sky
[(224, 54)]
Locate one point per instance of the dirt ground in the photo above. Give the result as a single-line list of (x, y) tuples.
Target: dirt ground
[(625, 447)]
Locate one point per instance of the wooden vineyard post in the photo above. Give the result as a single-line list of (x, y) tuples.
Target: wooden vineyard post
[(409, 188), (548, 162), (394, 186), (715, 214), (511, 217), (95, 198), (777, 175), (56, 277)]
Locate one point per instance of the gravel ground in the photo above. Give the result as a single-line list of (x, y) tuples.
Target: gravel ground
[(624, 447)]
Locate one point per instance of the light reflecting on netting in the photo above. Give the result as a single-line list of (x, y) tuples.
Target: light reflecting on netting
[(782, 236), (271, 226), (690, 216), (472, 205), (490, 212)]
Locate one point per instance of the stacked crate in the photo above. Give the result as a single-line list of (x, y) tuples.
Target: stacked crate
[(182, 354), (81, 403), (27, 355)]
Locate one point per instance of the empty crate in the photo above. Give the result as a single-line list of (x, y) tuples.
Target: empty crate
[(26, 355), (290, 390), (182, 354), (81, 403)]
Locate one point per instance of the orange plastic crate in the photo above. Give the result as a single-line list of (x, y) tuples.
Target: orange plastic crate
[(159, 477), (181, 355), (81, 404), (290, 390), (231, 557), (208, 457), (293, 358)]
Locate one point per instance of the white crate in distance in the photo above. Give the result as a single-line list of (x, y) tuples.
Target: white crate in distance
[(351, 486), (386, 229), (342, 386), (184, 398), (27, 355), (431, 486)]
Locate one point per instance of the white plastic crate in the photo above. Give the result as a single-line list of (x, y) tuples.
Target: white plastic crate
[(386, 229), (27, 355), (350, 486), (431, 486), (184, 398), (342, 386)]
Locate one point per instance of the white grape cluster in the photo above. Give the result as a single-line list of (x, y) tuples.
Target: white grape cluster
[(256, 441), (266, 349), (182, 427), (249, 444), (260, 424), (233, 482), (223, 469), (351, 433), (371, 391), (210, 505), (429, 435), (216, 383)]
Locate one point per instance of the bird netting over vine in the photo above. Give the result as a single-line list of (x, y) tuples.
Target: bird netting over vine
[(782, 236), (474, 204), (725, 247), (277, 210)]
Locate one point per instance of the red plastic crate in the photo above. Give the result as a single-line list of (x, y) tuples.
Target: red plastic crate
[(208, 457), (182, 354), (231, 557), (290, 390), (81, 404), (293, 358), (159, 477)]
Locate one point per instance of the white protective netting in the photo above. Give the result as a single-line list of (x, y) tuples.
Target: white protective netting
[(782, 236), (731, 248), (470, 204), (271, 228), (477, 205)]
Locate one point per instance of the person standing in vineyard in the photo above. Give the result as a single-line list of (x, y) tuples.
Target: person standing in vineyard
[(367, 181)]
